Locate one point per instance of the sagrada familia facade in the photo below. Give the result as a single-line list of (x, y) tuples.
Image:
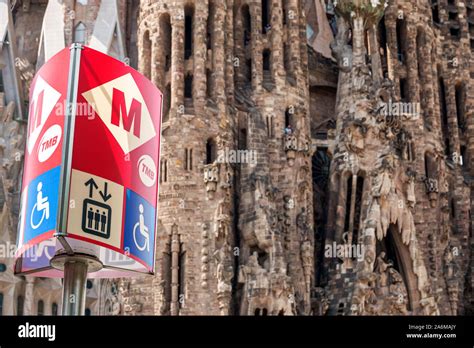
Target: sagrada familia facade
[(317, 156)]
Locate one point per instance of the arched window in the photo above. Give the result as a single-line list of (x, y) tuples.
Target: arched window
[(431, 167), (401, 40), (243, 139), (265, 17), (423, 63), (166, 275), (463, 159), (181, 276), (165, 37), (19, 305), (54, 308), (2, 86), (188, 31), (80, 33), (247, 24), (347, 216), (435, 11), (442, 102), (210, 25), (444, 114), (188, 159), (87, 312), (269, 123), (288, 118), (267, 60), (211, 151), (40, 308), (286, 58), (453, 209), (340, 308), (89, 284), (460, 98), (404, 93), (163, 170), (248, 66), (320, 164), (209, 83), (166, 102), (454, 27), (382, 32), (358, 207), (188, 86), (3, 267)]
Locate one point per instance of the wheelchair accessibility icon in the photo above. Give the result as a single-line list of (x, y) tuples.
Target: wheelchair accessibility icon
[(140, 226), (40, 210)]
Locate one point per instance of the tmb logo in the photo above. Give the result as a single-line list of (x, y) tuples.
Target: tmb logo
[(43, 100), (121, 107)]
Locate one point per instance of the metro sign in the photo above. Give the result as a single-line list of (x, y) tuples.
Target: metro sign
[(44, 99), (121, 107), (107, 208)]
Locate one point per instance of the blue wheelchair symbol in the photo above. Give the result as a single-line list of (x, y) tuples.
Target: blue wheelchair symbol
[(144, 232), (42, 204), (139, 232)]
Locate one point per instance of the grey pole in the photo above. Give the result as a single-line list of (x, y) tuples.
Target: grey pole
[(74, 286), (75, 266)]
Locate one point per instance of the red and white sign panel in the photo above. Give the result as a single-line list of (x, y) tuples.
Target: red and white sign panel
[(41, 172), (115, 155)]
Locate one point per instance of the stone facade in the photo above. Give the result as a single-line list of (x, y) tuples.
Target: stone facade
[(277, 156)]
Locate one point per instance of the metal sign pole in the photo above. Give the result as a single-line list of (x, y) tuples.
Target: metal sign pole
[(74, 286), (75, 268)]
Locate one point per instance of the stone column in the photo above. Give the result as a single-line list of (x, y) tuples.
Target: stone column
[(277, 45), (352, 211), (175, 273), (392, 60), (453, 128), (9, 300), (219, 55), (29, 296), (256, 45), (229, 52), (374, 52), (47, 305), (428, 83), (358, 42), (200, 54), (177, 63), (157, 76), (144, 61), (341, 209), (293, 32), (303, 45), (411, 63)]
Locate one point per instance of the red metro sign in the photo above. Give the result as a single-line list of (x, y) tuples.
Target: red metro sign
[(108, 171)]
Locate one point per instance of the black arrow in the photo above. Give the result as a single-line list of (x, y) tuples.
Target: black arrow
[(105, 196), (91, 183)]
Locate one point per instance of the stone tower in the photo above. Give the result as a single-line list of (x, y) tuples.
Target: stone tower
[(235, 209), (400, 159)]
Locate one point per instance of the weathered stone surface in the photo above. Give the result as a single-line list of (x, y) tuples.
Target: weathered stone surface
[(292, 182)]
